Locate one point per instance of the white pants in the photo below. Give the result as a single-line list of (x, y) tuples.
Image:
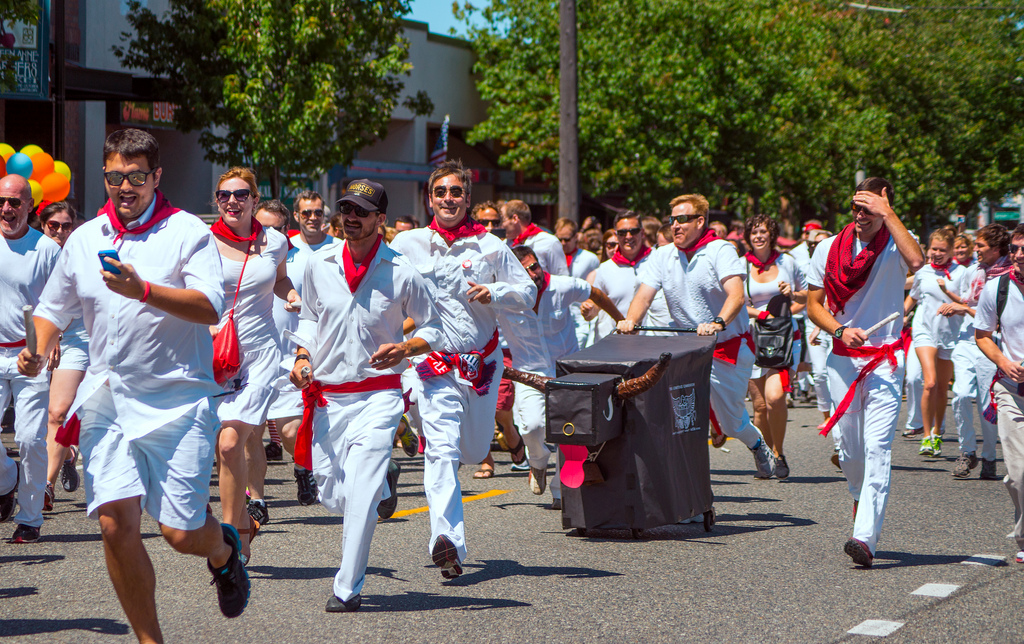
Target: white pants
[(817, 354), (973, 373), (352, 439), (865, 437), (31, 400), (1011, 435), (458, 426), (530, 413), (728, 389), (411, 385), (915, 389)]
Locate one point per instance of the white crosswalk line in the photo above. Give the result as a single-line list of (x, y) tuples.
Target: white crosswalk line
[(936, 590), (875, 628)]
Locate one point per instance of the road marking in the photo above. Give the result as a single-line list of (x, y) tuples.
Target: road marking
[(985, 560), (465, 499), (875, 628), (936, 590)]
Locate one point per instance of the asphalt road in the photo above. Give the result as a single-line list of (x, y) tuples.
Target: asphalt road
[(772, 570)]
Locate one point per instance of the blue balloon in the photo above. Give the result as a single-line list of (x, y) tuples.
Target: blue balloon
[(20, 164)]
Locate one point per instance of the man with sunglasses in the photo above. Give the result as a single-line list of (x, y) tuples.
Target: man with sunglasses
[(28, 258), (148, 423), (581, 264), (856, 280), (521, 231), (472, 276), (702, 280)]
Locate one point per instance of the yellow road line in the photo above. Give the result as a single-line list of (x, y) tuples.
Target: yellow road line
[(465, 499)]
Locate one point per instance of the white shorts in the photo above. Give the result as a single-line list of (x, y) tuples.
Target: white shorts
[(74, 353), (287, 403), (250, 404), (923, 338), (168, 468)]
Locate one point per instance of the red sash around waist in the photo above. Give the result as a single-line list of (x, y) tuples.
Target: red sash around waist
[(13, 345), (729, 350)]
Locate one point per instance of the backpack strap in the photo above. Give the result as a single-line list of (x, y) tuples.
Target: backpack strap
[(1002, 290)]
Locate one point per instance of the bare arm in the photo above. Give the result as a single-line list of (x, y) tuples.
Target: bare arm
[(821, 317), (1012, 370), (637, 308), (601, 299), (284, 289), (47, 335), (184, 303)]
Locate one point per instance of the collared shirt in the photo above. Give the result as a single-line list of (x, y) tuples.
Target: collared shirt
[(556, 322), (549, 252), (295, 265), (158, 365), (342, 329), (25, 265), (482, 259), (583, 264), (620, 283)]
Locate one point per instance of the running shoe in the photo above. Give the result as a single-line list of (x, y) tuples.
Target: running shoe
[(387, 507), (307, 490), (274, 451), (538, 480), (258, 511), (781, 467), (232, 580), (521, 467), (926, 448), (408, 438), (988, 470), (916, 431), (835, 459), (962, 467), (936, 445), (764, 460), (69, 478), (1019, 558), (25, 534), (335, 605), (446, 557), (9, 501), (48, 496), (859, 552)]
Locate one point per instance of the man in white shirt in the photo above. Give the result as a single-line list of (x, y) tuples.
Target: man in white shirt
[(581, 264), (855, 281), (521, 231), (358, 295), (702, 280), (471, 276), (148, 424), (1007, 391), (28, 258)]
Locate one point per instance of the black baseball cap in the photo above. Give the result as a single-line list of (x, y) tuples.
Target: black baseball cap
[(368, 195)]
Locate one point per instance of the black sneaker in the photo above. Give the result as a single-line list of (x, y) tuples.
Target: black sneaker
[(446, 557), (258, 511), (781, 467), (232, 580), (49, 496), (9, 501), (25, 534), (988, 470), (274, 451), (387, 507), (306, 485), (69, 478), (335, 605)]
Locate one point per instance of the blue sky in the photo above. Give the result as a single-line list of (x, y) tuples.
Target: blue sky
[(438, 14)]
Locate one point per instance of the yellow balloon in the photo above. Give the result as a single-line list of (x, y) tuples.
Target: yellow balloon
[(58, 166), (6, 151), (31, 150), (37, 191)]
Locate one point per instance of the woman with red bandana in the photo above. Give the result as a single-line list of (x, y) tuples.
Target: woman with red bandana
[(254, 272), (935, 335)]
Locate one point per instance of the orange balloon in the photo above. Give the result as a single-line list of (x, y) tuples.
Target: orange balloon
[(42, 166), (56, 187)]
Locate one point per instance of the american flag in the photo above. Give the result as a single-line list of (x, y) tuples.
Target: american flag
[(440, 153)]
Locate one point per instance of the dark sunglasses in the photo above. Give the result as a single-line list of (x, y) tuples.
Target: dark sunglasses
[(455, 191), (14, 201), (611, 244), (348, 208), (622, 232), (682, 219), (55, 225), (566, 240), (532, 267), (1015, 247), (136, 177), (224, 196), (490, 222), (310, 213)]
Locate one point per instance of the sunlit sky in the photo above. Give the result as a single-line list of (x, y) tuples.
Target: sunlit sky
[(438, 14)]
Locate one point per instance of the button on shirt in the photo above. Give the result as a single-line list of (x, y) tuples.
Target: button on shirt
[(158, 365), (25, 265), (342, 329)]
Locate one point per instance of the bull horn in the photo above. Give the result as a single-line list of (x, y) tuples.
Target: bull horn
[(540, 383), (636, 386)]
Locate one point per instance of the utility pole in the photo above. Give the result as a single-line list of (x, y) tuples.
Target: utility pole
[(568, 115), (59, 78)]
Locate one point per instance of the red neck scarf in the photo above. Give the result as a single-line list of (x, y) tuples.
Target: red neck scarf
[(540, 290), (765, 265), (942, 267), (1002, 266), (621, 260), (570, 257), (1017, 278), (469, 227), (967, 263), (162, 211), (845, 274), (221, 229), (528, 232), (709, 236), (355, 274)]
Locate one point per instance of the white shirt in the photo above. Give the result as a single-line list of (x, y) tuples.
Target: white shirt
[(802, 256), (342, 329), (254, 311), (295, 265), (964, 287), (941, 329), (482, 259), (158, 365), (693, 288), (556, 323), (522, 335), (27, 263), (583, 264), (760, 293), (549, 252), (1012, 320), (881, 295), (619, 283)]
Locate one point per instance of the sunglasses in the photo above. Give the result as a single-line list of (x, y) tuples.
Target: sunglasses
[(622, 232), (566, 240), (1016, 247), (224, 196), (455, 191), (490, 222), (136, 177), (682, 219), (611, 245), (310, 213), (14, 201), (532, 267), (54, 226), (348, 208)]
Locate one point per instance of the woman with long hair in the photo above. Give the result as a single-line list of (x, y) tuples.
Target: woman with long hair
[(254, 272)]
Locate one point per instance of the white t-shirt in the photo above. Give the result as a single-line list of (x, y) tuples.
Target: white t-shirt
[(295, 265), (881, 295), (25, 265), (583, 263), (693, 288), (549, 252), (938, 330), (619, 283), (760, 293), (555, 317), (1011, 322), (254, 312)]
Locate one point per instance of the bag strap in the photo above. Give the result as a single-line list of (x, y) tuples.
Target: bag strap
[(1002, 290), (750, 300), (238, 286)]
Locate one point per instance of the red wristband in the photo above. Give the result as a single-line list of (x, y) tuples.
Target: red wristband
[(145, 292), (763, 315)]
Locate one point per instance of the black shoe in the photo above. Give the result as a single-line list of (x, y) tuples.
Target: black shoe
[(9, 501), (335, 605), (25, 534), (258, 511), (69, 478), (274, 451), (307, 486), (446, 557), (387, 507), (781, 467), (232, 580)]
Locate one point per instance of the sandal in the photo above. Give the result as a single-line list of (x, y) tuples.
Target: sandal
[(252, 530), (519, 453), (484, 473)]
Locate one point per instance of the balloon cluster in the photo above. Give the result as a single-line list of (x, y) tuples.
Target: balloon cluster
[(50, 180)]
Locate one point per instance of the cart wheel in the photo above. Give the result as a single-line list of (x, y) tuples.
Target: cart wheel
[(709, 520), (638, 533), (581, 532)]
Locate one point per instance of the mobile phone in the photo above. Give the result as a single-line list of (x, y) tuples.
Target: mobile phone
[(107, 266)]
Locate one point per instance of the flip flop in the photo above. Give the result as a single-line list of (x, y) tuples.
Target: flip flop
[(519, 453)]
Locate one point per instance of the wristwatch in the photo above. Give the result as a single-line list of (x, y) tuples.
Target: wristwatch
[(720, 322), (838, 333)]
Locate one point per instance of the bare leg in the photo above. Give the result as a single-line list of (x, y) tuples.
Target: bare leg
[(207, 541), (234, 476), (929, 394), (778, 413), (504, 418), (760, 404), (256, 461), (289, 429), (943, 376), (63, 386)]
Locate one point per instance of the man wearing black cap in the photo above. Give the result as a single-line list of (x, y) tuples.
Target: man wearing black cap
[(359, 294)]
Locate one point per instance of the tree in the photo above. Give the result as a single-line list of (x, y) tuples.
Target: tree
[(291, 87)]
